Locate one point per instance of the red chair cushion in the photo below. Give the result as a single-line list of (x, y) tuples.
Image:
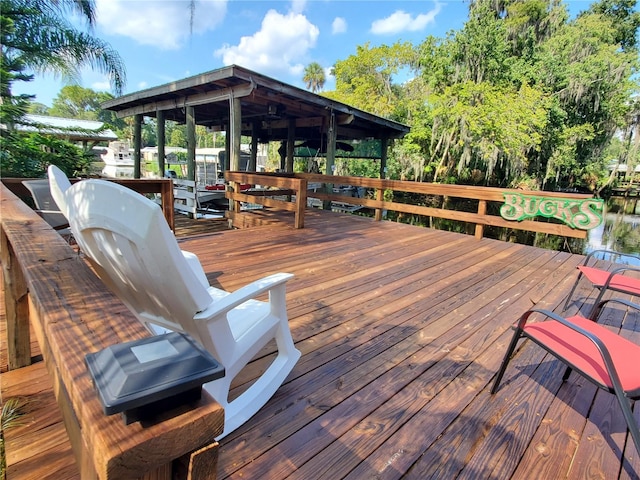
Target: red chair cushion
[(582, 353), (619, 282)]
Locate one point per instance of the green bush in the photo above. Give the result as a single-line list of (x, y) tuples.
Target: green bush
[(27, 155)]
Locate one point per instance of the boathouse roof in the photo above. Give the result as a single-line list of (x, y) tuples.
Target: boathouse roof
[(269, 107)]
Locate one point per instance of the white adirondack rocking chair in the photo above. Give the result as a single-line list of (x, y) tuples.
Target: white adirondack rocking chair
[(58, 185), (134, 252), (46, 206)]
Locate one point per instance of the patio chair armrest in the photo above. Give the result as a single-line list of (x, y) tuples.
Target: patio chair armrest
[(623, 301), (243, 294), (619, 271), (625, 268), (602, 348)]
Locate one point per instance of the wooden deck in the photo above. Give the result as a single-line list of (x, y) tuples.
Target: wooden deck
[(402, 330)]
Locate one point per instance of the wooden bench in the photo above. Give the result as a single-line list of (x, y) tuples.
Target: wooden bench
[(72, 313)]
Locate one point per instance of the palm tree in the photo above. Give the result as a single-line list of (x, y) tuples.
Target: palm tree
[(314, 77), (36, 35)]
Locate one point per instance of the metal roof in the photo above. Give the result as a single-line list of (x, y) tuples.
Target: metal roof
[(268, 107), (71, 129)]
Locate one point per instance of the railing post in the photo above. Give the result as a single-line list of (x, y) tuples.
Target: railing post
[(380, 198), (482, 210), (234, 205), (16, 308), (301, 202)]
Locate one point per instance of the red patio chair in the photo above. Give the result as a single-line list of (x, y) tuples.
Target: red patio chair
[(621, 279), (602, 356)]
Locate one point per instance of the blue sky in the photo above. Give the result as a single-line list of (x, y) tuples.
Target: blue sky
[(275, 38)]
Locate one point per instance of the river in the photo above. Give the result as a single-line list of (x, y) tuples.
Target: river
[(620, 230)]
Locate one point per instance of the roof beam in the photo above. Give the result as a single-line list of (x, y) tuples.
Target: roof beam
[(308, 122), (190, 100)]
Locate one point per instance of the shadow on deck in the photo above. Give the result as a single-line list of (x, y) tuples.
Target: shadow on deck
[(402, 330)]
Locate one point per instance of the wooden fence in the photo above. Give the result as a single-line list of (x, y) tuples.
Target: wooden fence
[(328, 192)]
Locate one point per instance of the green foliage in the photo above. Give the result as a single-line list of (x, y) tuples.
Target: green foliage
[(43, 39), (38, 35), (178, 137), (38, 108), (74, 101), (521, 95), (480, 50), (365, 80), (625, 18), (29, 155), (487, 127), (10, 416)]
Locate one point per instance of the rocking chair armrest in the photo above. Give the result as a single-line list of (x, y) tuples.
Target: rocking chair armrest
[(41, 212), (196, 267), (243, 294)]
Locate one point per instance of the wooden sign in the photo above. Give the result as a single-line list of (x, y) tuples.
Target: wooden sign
[(579, 214)]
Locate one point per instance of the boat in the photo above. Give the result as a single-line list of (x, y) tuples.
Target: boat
[(212, 194), (210, 179), (118, 154)]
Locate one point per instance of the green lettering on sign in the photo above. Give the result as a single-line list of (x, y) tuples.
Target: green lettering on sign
[(580, 214)]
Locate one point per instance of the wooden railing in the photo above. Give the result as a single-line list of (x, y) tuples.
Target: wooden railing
[(162, 186), (283, 185), (483, 195), (49, 287)]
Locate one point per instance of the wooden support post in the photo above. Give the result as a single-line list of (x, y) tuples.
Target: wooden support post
[(482, 210), (16, 308), (253, 161), (191, 143), (283, 155), (137, 145), (236, 132), (291, 136), (235, 113), (332, 134), (384, 147), (161, 140)]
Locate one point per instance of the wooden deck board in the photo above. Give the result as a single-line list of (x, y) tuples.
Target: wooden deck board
[(363, 308), (402, 330)]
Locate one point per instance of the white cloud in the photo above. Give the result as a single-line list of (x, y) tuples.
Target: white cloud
[(103, 86), (339, 25), (281, 44), (401, 21), (161, 23), (298, 6), (142, 85)]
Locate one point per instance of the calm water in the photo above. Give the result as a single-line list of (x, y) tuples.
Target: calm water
[(620, 231)]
